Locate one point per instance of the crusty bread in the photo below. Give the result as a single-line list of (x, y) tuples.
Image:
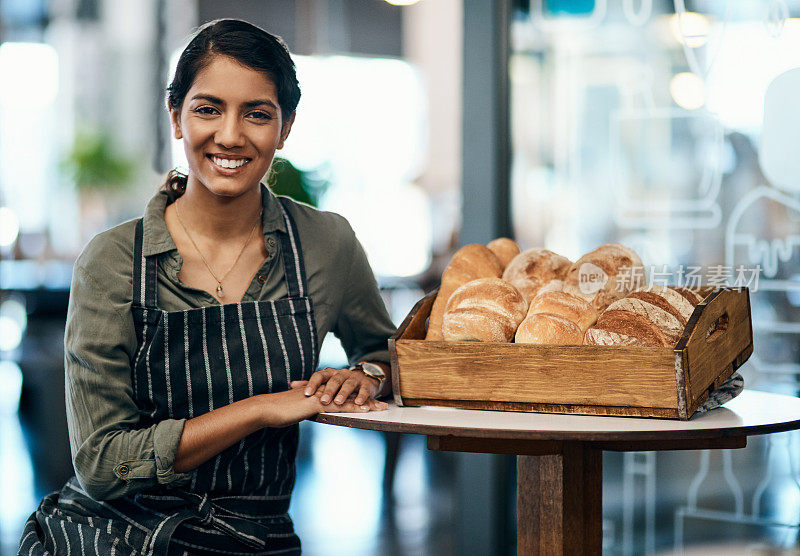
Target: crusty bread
[(667, 299), (544, 328), (600, 337), (534, 268), (690, 295), (665, 321), (552, 286), (505, 249), (468, 263), (633, 325), (573, 308), (605, 274), (484, 310)]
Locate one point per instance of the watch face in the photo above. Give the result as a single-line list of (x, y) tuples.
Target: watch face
[(373, 370)]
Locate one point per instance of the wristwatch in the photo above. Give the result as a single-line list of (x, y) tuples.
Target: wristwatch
[(371, 370)]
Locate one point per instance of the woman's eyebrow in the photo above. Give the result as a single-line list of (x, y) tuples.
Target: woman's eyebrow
[(254, 103), (215, 100)]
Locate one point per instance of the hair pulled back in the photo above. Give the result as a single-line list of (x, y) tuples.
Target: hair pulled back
[(249, 45)]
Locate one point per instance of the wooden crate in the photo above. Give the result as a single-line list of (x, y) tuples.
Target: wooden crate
[(594, 380)]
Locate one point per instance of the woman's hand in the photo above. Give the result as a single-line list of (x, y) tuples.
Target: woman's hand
[(292, 406), (341, 385)]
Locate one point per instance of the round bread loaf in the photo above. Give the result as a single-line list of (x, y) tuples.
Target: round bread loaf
[(484, 310), (534, 268), (544, 328), (600, 337), (631, 325), (468, 263), (571, 307), (690, 295), (668, 299), (505, 249), (606, 274), (667, 323)]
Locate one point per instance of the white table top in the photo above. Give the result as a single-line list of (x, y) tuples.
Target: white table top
[(750, 413)]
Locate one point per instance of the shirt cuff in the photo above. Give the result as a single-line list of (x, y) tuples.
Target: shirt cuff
[(166, 439)]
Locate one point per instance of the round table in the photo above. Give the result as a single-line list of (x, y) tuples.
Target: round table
[(559, 457)]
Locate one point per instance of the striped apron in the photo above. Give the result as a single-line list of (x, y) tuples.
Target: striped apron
[(187, 364)]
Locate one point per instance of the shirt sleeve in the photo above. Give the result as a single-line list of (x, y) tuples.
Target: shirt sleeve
[(112, 456), (363, 324)]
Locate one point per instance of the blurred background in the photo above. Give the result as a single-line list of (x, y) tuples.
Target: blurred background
[(667, 125)]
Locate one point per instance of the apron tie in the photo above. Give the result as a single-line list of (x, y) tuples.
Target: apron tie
[(203, 509)]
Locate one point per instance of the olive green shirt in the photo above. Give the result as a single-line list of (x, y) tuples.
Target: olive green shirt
[(112, 454)]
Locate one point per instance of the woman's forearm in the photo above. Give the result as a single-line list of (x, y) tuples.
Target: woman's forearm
[(209, 434)]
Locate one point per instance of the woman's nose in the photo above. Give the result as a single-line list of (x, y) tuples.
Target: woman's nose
[(230, 133)]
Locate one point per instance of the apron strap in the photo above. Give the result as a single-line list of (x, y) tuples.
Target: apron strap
[(145, 273), (295, 270)]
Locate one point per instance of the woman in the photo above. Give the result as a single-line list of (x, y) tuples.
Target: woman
[(193, 333)]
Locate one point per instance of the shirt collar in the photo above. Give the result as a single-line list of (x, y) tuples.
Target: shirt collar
[(156, 238)]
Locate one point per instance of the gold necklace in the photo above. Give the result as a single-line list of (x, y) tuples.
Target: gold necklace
[(220, 293)]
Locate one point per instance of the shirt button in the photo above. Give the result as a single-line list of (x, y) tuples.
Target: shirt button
[(262, 278), (271, 241), (124, 469)]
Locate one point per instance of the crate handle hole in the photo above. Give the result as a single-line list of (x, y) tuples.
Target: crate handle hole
[(717, 327)]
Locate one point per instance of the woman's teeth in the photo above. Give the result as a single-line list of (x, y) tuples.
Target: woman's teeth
[(228, 163)]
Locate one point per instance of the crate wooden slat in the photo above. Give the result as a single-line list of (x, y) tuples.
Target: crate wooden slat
[(593, 380)]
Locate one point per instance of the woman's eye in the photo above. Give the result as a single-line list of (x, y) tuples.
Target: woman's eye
[(205, 110), (259, 115)]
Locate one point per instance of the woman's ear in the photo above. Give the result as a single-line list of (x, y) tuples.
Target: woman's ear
[(285, 129), (175, 116)]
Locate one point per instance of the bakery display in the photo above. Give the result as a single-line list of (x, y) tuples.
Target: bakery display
[(468, 263), (505, 249), (534, 268), (483, 310)]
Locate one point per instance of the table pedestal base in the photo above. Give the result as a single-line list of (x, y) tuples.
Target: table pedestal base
[(560, 502)]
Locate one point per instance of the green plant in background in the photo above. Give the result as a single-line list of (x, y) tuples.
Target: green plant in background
[(95, 165)]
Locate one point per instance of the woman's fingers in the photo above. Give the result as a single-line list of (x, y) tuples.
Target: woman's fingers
[(333, 385), (318, 379), (297, 384)]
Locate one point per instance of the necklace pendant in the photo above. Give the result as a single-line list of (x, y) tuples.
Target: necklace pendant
[(219, 291)]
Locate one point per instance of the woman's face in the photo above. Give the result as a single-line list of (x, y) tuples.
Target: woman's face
[(231, 125)]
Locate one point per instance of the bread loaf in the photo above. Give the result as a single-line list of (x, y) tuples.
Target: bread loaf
[(484, 310), (564, 305), (667, 299), (534, 268), (606, 274), (468, 263), (505, 249), (544, 328), (690, 295), (655, 316)]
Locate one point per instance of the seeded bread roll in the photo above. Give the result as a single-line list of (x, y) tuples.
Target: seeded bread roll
[(545, 328), (469, 263), (534, 268), (573, 308), (606, 274), (484, 310), (505, 249)]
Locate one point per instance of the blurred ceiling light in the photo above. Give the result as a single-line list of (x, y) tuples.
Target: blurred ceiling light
[(13, 322), (10, 387), (30, 73), (688, 91), (9, 226), (402, 2), (690, 28)]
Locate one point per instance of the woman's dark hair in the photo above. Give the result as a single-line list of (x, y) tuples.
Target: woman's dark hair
[(247, 44)]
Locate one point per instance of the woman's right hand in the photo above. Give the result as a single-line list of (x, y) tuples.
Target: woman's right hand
[(292, 406)]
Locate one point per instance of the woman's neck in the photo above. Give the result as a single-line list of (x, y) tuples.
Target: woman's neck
[(216, 217)]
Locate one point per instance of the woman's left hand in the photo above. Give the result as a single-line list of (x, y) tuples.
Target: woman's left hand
[(340, 384)]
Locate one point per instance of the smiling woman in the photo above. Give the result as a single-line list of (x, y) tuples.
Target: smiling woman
[(193, 333)]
